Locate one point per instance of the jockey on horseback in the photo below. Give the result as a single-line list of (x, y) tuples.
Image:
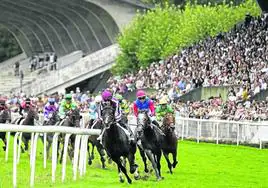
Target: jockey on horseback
[(144, 103), (108, 97), (123, 104), (50, 108), (66, 105), (162, 109), (92, 109), (25, 106)]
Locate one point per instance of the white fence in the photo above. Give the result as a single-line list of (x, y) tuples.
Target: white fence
[(220, 130), (80, 150)]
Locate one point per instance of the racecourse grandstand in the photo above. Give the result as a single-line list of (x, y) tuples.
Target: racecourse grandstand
[(61, 26)]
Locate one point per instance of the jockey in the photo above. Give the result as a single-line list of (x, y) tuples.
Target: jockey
[(25, 106), (49, 108), (66, 105), (108, 97), (93, 114), (144, 103), (163, 108), (123, 104)]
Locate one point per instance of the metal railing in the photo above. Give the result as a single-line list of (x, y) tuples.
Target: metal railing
[(80, 149)]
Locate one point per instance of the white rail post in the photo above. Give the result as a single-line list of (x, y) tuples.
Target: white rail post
[(83, 151), (85, 157), (182, 130), (187, 128), (45, 150), (237, 138), (217, 133), (198, 131), (33, 158), (54, 156), (15, 160), (19, 148), (76, 153), (31, 154), (7, 146), (66, 142)]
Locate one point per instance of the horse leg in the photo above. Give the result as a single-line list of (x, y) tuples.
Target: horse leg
[(151, 157), (102, 156), (89, 155), (168, 162), (144, 159), (121, 168), (92, 151), (158, 160), (174, 154), (3, 137)]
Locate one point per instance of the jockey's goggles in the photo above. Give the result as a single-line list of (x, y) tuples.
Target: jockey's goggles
[(51, 103), (142, 98)]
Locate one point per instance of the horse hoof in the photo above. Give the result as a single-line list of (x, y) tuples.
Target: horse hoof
[(133, 168), (129, 181), (110, 161), (146, 170), (4, 148), (89, 162), (159, 179), (122, 180)]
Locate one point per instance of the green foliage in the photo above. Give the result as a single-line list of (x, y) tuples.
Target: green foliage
[(162, 31), (9, 47)]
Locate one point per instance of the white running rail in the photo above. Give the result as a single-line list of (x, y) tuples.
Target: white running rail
[(219, 130), (80, 152)]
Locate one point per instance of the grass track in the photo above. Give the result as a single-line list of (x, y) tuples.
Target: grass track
[(201, 165)]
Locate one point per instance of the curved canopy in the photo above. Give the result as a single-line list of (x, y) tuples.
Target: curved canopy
[(62, 26)]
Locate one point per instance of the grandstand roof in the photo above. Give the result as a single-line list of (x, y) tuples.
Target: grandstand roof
[(62, 26)]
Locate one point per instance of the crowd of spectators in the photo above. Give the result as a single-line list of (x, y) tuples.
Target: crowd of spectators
[(47, 60), (237, 57)]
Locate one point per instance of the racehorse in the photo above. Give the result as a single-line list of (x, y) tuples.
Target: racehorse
[(5, 117), (94, 142), (53, 120), (117, 144), (72, 119), (170, 142), (151, 140), (28, 120)]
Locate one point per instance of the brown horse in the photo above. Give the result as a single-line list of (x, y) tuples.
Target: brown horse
[(5, 117), (170, 141)]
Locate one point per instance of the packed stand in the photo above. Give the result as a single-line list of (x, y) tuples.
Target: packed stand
[(238, 57)]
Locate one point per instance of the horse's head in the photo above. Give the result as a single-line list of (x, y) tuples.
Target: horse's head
[(5, 116), (74, 117), (32, 114), (169, 122), (53, 118), (108, 115), (143, 119)]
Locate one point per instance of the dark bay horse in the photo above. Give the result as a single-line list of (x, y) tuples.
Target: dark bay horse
[(72, 119), (5, 117), (28, 120), (94, 142), (170, 142), (151, 140), (117, 145)]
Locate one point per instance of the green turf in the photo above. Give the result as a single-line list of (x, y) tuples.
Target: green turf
[(201, 165)]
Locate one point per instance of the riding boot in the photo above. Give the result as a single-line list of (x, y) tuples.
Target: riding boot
[(131, 135)]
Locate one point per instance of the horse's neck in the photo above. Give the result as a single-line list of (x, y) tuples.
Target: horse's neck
[(29, 120)]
